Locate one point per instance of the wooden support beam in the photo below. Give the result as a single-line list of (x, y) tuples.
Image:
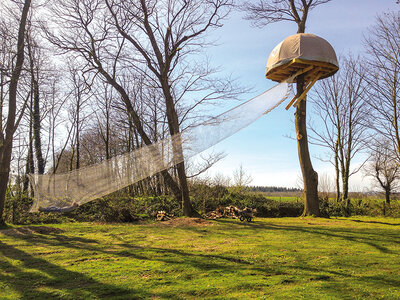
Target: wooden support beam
[(291, 102), (308, 86), (304, 94), (302, 71)]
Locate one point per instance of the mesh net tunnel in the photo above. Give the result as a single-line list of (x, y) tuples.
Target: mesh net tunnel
[(58, 192)]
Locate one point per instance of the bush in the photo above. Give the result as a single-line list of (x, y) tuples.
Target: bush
[(358, 207), (207, 198), (265, 207), (107, 209), (16, 211), (117, 208), (125, 209)]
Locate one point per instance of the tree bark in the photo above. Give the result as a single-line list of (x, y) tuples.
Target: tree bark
[(173, 123), (6, 142), (35, 110), (345, 180), (337, 171), (310, 177), (77, 136), (387, 195), (30, 166)]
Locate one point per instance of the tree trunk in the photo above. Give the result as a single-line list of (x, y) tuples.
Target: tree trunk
[(30, 166), (4, 173), (35, 111), (173, 124), (337, 172), (6, 142), (77, 141), (36, 129), (387, 195), (310, 177), (345, 196)]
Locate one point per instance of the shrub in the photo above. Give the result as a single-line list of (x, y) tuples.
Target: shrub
[(16, 211), (120, 208)]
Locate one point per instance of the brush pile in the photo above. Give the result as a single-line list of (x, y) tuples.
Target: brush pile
[(231, 212), (162, 216)]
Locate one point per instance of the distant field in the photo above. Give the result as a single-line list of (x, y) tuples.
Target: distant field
[(299, 199), (226, 259), (285, 198)]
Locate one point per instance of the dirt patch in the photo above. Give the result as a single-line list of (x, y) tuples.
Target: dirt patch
[(30, 230), (182, 222)]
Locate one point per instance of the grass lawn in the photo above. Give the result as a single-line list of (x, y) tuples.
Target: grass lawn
[(270, 258), (285, 198)]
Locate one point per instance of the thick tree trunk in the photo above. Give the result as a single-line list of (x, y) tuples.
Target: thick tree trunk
[(4, 173), (310, 177), (173, 123), (6, 142), (387, 195), (186, 204)]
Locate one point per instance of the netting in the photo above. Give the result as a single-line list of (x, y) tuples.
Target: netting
[(63, 191)]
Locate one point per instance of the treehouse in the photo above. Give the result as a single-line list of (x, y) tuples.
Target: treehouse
[(302, 54)]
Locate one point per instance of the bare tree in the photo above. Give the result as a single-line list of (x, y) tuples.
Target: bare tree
[(103, 113), (152, 39), (219, 179), (241, 178), (383, 46), (384, 169), (340, 107), (34, 70), (264, 12), (325, 185), (78, 112), (7, 132), (85, 34), (164, 33)]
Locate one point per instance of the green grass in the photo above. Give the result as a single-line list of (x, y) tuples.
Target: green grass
[(270, 258), (285, 198)]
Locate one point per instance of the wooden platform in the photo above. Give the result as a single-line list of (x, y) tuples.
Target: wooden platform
[(296, 65)]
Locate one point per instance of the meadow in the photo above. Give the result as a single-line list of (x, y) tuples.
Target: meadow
[(286, 198), (309, 258)]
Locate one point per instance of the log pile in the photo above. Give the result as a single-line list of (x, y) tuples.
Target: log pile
[(230, 211), (162, 216)]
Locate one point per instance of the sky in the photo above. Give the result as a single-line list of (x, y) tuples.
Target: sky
[(265, 149)]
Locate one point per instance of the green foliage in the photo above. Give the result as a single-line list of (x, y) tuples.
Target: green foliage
[(213, 197), (206, 198), (16, 211), (265, 207), (120, 208), (358, 207), (285, 258), (125, 209)]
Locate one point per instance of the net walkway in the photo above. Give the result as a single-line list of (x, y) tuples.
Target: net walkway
[(88, 183)]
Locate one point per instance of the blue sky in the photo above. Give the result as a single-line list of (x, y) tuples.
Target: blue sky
[(264, 148)]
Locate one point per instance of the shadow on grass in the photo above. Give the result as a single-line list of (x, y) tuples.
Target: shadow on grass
[(375, 222), (369, 237), (197, 260), (225, 262), (36, 278), (4, 226)]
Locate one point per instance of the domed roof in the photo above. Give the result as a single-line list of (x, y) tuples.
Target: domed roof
[(303, 48)]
